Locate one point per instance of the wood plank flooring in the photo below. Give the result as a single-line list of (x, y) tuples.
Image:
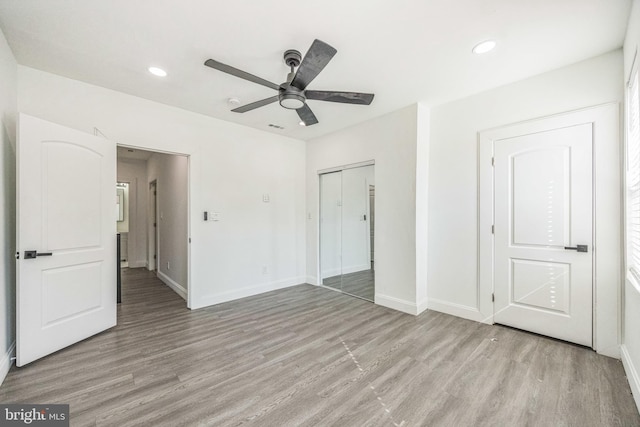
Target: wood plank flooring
[(307, 356), (360, 283)]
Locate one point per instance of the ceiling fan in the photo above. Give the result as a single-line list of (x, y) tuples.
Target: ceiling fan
[(292, 94)]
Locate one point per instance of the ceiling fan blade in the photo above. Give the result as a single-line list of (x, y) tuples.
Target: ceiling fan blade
[(306, 115), (344, 97), (239, 73), (255, 105), (316, 58)]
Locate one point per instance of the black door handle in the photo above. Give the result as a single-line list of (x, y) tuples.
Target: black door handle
[(33, 254), (579, 248)]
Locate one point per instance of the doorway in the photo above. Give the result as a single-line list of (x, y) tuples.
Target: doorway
[(158, 238)]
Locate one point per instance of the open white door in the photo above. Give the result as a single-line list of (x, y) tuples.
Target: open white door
[(66, 237)]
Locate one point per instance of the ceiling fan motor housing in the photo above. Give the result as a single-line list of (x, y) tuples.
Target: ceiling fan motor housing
[(291, 97), (292, 58)]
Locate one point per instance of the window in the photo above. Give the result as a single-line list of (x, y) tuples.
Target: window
[(633, 176)]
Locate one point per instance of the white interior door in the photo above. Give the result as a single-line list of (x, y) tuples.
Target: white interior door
[(543, 207), (66, 237)]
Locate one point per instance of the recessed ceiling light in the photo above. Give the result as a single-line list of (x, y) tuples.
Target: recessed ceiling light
[(484, 47), (302, 123), (157, 71)]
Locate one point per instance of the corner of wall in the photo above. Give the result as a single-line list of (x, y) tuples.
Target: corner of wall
[(8, 118), (632, 374), (422, 203), (7, 361)]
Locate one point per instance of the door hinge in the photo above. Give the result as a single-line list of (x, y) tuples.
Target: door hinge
[(189, 239), (154, 224), (493, 229), (154, 257), (493, 161), (493, 297)]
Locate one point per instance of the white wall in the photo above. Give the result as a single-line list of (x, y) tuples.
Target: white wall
[(390, 140), (231, 167), (453, 182), (135, 173), (8, 105), (171, 176), (631, 320)]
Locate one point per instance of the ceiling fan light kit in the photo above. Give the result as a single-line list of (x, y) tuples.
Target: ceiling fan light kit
[(292, 94)]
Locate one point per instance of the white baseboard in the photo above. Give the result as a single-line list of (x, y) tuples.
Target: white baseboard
[(6, 362), (423, 305), (177, 288), (312, 280), (397, 304), (245, 292), (458, 310), (611, 351), (331, 273), (632, 374), (356, 268)]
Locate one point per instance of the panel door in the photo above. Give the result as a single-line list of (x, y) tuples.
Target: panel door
[(543, 211), (66, 237)]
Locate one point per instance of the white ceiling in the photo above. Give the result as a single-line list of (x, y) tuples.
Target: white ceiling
[(404, 51)]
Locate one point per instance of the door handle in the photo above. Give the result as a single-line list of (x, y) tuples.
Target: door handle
[(579, 248), (33, 254)]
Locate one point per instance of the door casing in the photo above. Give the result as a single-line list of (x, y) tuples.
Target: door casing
[(607, 200)]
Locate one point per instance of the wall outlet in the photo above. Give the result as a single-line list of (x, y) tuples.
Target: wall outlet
[(265, 198), (264, 269), (168, 265)]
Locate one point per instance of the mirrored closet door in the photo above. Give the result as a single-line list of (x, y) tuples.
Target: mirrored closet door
[(347, 224)]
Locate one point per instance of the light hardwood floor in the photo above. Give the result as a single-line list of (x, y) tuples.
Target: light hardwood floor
[(360, 284), (313, 357)]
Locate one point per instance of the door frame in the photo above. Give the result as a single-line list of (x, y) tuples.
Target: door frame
[(607, 216), (190, 298), (152, 230)]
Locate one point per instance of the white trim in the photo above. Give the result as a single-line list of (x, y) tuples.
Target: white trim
[(397, 304), (423, 305), (177, 288), (349, 166), (632, 374), (606, 190), (458, 310), (248, 291), (356, 268), (6, 362)]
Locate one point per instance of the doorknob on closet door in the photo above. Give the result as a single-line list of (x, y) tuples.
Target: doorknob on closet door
[(579, 248)]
